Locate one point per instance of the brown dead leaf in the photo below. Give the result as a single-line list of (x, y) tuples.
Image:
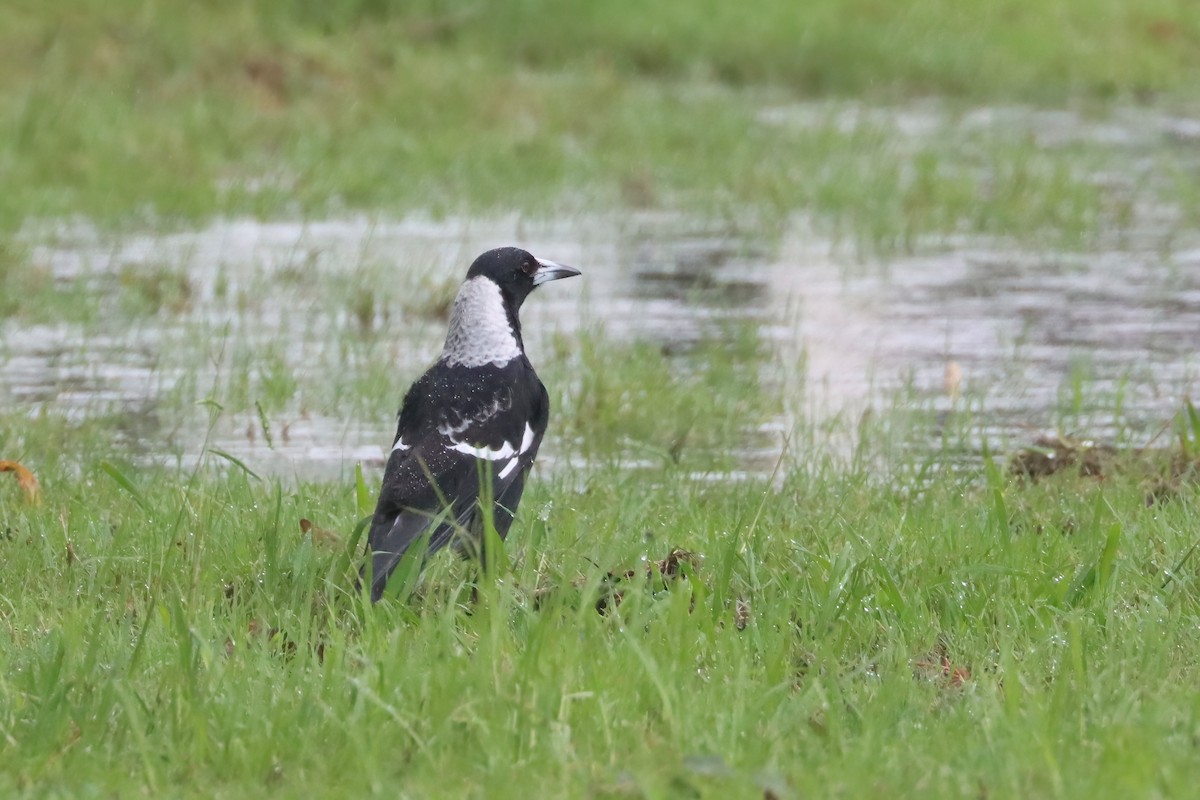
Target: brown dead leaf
[(956, 675), (936, 667), (741, 613), (671, 566), (320, 535), (953, 380), (25, 479)]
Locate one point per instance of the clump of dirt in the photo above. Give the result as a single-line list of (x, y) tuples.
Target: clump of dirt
[(1164, 471), (1051, 454), (1182, 470), (660, 574), (680, 567)]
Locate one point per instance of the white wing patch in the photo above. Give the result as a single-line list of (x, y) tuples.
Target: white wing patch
[(400, 445), (505, 451), (487, 453), (526, 443), (504, 473)]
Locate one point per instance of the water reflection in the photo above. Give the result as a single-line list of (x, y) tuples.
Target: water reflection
[(1020, 329)]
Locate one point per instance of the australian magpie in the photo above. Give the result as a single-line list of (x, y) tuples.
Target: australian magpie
[(477, 415)]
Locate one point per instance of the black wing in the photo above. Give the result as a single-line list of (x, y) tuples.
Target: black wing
[(456, 426)]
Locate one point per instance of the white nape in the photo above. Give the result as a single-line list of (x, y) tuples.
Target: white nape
[(479, 329)]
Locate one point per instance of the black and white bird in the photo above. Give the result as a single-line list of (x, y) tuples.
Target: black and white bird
[(477, 414)]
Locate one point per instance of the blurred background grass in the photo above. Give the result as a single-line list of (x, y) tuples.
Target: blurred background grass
[(131, 108)]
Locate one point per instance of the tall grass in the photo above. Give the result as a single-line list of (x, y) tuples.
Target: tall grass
[(179, 635)]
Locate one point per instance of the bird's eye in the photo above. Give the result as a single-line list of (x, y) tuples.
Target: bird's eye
[(529, 267)]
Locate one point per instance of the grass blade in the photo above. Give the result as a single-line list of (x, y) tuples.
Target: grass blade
[(361, 492), (265, 423), (237, 462), (122, 480)]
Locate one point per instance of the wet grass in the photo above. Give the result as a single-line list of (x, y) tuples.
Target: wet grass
[(137, 113), (867, 625), (844, 633), (275, 343), (858, 625)]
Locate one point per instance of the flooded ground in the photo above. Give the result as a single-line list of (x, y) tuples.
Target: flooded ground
[(1101, 343), (1023, 330)]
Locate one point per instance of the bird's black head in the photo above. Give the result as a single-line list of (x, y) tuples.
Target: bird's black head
[(517, 272)]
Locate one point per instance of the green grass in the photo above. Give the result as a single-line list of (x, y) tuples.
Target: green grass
[(909, 630), (871, 625), (175, 634), (141, 112)]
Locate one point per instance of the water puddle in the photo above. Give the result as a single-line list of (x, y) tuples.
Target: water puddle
[(1012, 334), (1102, 343), (1121, 127), (284, 302)]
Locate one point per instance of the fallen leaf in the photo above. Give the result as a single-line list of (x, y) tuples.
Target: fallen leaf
[(320, 535), (957, 676), (937, 667), (953, 380), (741, 613), (677, 558), (25, 479)]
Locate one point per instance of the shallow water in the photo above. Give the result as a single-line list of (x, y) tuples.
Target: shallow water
[(1020, 326), (1101, 343)]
